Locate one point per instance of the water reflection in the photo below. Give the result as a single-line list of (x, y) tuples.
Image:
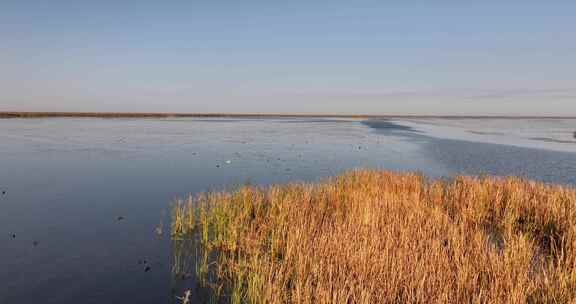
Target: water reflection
[(191, 273)]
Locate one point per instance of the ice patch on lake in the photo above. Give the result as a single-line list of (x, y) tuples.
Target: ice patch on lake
[(548, 134)]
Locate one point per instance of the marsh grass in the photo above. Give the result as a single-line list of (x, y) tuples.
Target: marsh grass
[(382, 237)]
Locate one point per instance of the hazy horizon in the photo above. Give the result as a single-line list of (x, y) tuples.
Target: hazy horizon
[(367, 57)]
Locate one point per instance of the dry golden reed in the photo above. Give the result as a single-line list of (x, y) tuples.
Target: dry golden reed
[(372, 236)]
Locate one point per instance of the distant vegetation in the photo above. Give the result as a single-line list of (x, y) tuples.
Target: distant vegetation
[(383, 237), (6, 114)]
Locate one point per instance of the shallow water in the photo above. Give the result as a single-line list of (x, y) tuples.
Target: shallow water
[(84, 196)]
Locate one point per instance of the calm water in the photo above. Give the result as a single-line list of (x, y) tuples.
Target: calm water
[(68, 181)]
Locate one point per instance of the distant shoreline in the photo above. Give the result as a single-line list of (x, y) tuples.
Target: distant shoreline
[(255, 115)]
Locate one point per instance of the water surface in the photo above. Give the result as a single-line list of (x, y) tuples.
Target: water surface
[(84, 195)]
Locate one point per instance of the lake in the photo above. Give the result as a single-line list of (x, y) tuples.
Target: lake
[(84, 196)]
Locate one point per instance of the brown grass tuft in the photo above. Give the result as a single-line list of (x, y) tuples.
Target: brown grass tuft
[(382, 237)]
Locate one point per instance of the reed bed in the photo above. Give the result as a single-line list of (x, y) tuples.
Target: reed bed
[(372, 236)]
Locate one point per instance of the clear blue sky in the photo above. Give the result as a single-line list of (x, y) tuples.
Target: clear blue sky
[(378, 57)]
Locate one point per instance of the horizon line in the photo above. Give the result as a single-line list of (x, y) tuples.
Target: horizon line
[(24, 114)]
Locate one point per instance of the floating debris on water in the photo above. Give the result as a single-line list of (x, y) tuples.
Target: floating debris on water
[(186, 298), (120, 218), (160, 228), (35, 243), (13, 235), (147, 269)]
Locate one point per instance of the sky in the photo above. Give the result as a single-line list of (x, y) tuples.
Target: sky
[(437, 57)]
